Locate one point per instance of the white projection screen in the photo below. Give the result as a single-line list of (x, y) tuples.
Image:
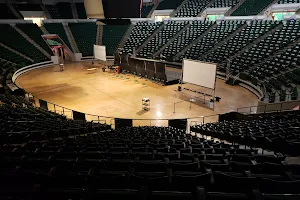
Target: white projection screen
[(100, 52), (199, 73)]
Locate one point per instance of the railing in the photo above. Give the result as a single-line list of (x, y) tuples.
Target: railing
[(29, 68), (190, 102), (69, 113), (274, 107), (203, 120), (61, 110)]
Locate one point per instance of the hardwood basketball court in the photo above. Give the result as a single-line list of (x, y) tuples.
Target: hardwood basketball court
[(120, 95)]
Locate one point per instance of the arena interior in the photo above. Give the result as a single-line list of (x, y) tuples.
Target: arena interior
[(150, 99)]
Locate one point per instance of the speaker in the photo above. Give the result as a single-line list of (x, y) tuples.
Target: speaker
[(178, 123), (179, 88), (218, 99), (120, 123)]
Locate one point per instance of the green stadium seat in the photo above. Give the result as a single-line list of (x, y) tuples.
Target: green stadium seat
[(251, 32), (266, 47), (13, 57), (57, 28), (85, 36), (139, 34), (251, 7), (288, 1), (11, 38), (6, 66), (192, 8), (170, 29), (184, 39), (35, 33), (112, 36), (224, 3), (217, 34)]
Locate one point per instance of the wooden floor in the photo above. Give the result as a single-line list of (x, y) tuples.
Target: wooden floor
[(120, 95)]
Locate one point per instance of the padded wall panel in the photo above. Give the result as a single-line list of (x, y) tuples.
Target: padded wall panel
[(140, 67), (119, 123), (78, 115), (150, 69), (178, 123), (160, 67), (43, 104), (117, 59)]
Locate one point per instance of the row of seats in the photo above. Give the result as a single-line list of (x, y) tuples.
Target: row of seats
[(288, 1), (139, 34), (261, 68), (66, 159), (192, 8), (196, 29), (11, 38), (85, 40), (251, 7), (143, 159), (57, 28), (255, 64), (170, 29), (21, 121), (10, 56), (270, 69), (266, 47), (9, 63), (112, 36), (6, 70), (279, 133), (247, 35), (217, 34), (34, 32), (224, 3)]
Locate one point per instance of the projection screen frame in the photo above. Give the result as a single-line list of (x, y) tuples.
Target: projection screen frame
[(213, 90), (196, 84)]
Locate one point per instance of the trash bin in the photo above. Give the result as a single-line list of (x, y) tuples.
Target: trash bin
[(211, 103)]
